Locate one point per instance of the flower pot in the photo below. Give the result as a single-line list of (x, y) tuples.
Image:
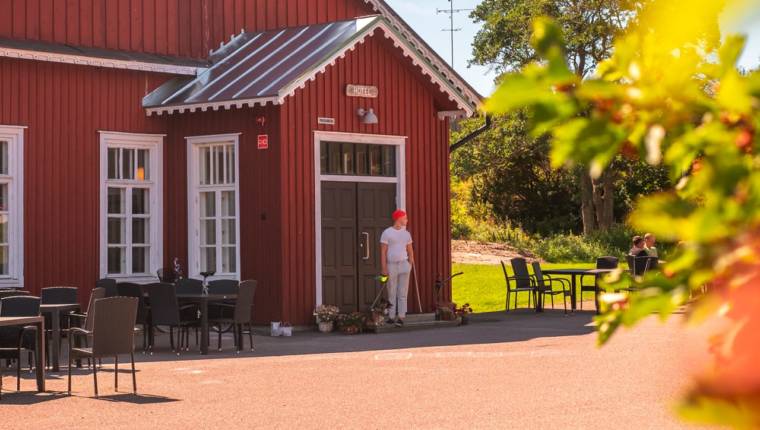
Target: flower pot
[(350, 329), (286, 331), (326, 326), (274, 329)]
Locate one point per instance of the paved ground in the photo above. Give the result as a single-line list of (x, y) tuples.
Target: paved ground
[(521, 371)]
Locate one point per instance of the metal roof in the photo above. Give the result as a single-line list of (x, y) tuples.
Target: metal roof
[(260, 68), (53, 52)]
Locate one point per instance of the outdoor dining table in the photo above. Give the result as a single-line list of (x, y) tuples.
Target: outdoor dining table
[(55, 311), (203, 300), (574, 275), (39, 353)]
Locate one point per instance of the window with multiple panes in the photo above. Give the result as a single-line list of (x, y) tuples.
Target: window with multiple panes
[(132, 206), (341, 158), (215, 212), (11, 204)]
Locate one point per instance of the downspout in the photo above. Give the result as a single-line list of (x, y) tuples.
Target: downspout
[(463, 141)]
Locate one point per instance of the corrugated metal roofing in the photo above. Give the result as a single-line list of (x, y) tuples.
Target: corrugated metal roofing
[(258, 66)]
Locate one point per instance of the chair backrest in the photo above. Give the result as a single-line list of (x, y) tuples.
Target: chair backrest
[(59, 295), (129, 289), (521, 274), (13, 293), (539, 275), (109, 285), (165, 275), (20, 306), (607, 262), (113, 330), (164, 309), (638, 266), (97, 294), (223, 286), (244, 304), (189, 286)]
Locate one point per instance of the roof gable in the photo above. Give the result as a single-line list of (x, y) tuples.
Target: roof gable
[(267, 67)]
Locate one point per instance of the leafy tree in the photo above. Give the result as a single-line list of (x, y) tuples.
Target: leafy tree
[(504, 44), (672, 95)]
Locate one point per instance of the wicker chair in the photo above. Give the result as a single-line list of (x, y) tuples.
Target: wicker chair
[(15, 339), (522, 280), (242, 315)]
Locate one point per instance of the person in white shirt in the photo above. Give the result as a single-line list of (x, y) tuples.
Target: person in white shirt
[(397, 259)]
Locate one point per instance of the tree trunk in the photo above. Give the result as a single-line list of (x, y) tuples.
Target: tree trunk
[(597, 201)]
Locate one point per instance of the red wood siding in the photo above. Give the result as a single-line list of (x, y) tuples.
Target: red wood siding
[(407, 106), (187, 28), (259, 195), (63, 107)]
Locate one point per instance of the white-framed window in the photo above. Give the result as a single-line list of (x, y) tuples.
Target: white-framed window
[(213, 206), (131, 205), (11, 205)]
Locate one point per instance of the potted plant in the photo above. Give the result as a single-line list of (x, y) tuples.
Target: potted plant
[(446, 312), (378, 313), (464, 313), (286, 329), (352, 323), (326, 316)]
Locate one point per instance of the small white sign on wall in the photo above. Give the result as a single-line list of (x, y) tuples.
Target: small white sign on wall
[(325, 121)]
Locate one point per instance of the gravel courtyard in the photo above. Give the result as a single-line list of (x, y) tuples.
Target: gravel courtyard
[(513, 371)]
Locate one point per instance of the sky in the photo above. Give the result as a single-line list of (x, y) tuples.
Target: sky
[(422, 16)]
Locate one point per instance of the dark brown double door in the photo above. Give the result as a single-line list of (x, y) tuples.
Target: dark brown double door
[(354, 216)]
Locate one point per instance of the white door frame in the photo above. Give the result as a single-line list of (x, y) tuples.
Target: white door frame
[(374, 139)]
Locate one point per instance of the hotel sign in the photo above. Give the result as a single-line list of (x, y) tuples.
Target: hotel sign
[(365, 91)]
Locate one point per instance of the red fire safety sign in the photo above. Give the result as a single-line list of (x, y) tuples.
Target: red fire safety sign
[(263, 141)]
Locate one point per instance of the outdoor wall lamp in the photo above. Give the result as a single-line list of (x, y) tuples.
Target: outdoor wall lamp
[(367, 116)]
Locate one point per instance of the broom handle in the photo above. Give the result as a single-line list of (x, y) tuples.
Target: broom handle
[(417, 287)]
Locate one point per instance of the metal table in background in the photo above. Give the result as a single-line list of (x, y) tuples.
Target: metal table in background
[(55, 311), (574, 274), (39, 353), (203, 300)]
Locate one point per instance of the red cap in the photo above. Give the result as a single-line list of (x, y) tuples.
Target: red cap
[(398, 214)]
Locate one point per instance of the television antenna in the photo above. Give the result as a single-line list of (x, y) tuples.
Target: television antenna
[(451, 12)]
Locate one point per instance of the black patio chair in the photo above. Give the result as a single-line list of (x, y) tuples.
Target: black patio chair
[(15, 339), (545, 285), (189, 286), (522, 280), (112, 335), (166, 311), (109, 285), (58, 296), (129, 289), (13, 293), (638, 266), (607, 262), (242, 315)]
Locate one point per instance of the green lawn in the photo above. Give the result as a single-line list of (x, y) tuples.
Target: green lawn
[(483, 287)]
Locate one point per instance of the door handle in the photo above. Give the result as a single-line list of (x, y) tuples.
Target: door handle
[(366, 245)]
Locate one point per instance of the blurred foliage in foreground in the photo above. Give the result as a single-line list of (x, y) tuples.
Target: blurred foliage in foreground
[(670, 94)]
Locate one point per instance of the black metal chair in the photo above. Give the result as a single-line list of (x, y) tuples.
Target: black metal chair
[(606, 262), (166, 311), (112, 335), (522, 280), (189, 286), (58, 296), (15, 339), (109, 285), (638, 266), (129, 289), (545, 287), (242, 315)]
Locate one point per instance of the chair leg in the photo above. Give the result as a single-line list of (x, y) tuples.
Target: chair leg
[(171, 338), (18, 372), (69, 391), (219, 337), (250, 335), (116, 374), (134, 378), (580, 298), (552, 301), (509, 293), (95, 378)]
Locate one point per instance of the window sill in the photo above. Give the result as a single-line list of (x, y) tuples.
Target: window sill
[(139, 279)]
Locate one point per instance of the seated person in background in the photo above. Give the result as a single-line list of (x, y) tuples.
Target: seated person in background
[(650, 242), (639, 247)]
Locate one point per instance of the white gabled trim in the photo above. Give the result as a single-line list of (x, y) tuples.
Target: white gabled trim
[(399, 180), (14, 135), (155, 144), (442, 67), (203, 107), (82, 60)]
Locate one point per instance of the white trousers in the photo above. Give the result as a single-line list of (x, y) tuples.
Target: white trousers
[(398, 288)]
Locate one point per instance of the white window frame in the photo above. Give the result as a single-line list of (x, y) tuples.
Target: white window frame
[(193, 202), (373, 139), (154, 143), (14, 135)]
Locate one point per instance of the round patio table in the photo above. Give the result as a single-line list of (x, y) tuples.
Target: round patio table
[(574, 275)]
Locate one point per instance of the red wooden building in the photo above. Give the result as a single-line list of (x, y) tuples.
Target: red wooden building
[(259, 139)]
